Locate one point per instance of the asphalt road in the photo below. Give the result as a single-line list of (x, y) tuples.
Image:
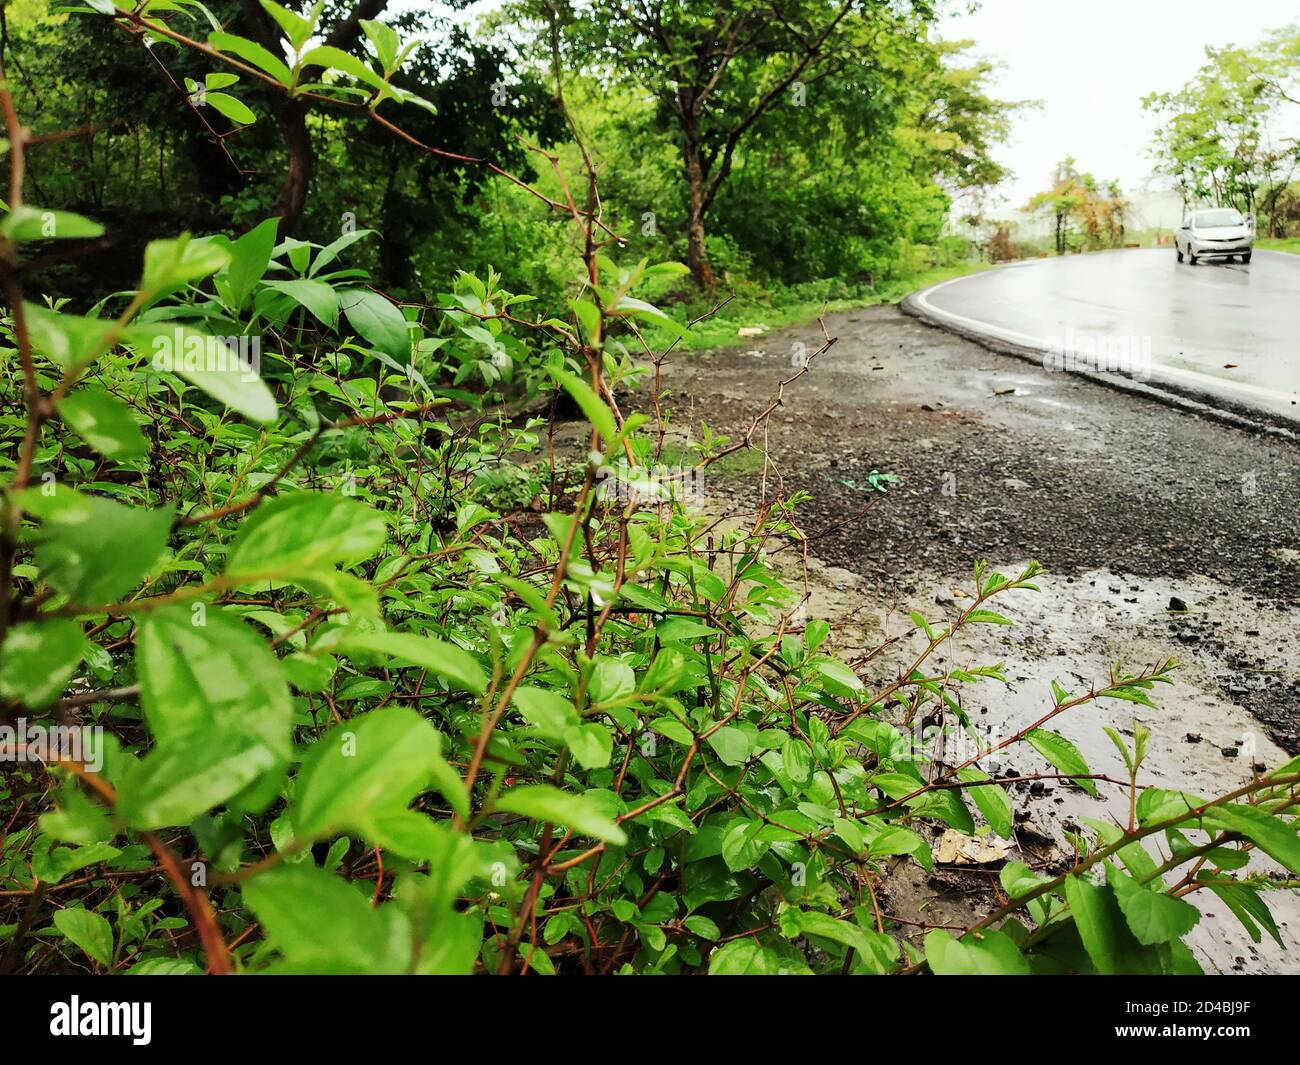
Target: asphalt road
[(1224, 332)]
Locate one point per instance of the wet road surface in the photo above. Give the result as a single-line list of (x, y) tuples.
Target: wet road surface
[(1225, 332)]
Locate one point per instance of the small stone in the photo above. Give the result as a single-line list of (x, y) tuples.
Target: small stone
[(1176, 604)]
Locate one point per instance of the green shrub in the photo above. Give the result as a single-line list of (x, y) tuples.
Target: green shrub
[(353, 705)]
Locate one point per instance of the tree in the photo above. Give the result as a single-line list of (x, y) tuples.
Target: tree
[(1097, 207), (958, 122), (716, 71), (1219, 140), (152, 158)]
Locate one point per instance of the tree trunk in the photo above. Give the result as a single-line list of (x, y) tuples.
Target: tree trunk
[(697, 254), (292, 118), (291, 114)]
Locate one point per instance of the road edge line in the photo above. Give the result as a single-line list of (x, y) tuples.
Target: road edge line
[(998, 340)]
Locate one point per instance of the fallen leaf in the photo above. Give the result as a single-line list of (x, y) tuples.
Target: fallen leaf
[(957, 848)]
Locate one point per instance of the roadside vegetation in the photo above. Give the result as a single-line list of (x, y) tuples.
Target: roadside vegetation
[(1227, 137), (322, 653)]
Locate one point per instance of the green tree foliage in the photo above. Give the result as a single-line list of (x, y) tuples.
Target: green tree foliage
[(723, 78), (1224, 136), (158, 154)]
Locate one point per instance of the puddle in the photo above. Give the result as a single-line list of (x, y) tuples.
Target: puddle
[(1202, 741)]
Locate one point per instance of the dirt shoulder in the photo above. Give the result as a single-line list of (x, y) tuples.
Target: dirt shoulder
[(1130, 502), (1164, 534)]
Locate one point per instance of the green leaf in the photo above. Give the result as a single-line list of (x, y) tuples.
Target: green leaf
[(746, 957), (1156, 805), (77, 818), (547, 711), (588, 315), (991, 800), (1250, 909), (332, 250), (1062, 754), (838, 673), (610, 680), (253, 53), (797, 760), (322, 924), (296, 28), (542, 802), (456, 666), (733, 746), (702, 926), (104, 422), (163, 967), (337, 59), (189, 775), (206, 362), (87, 930), (592, 745), (876, 951), (1153, 917), (385, 42), (377, 321), (595, 408), (250, 255), (67, 340), (90, 548), (1101, 927), (57, 863), (1018, 879), (321, 300), (629, 306), (230, 106), (986, 617), (38, 659), (37, 223), (169, 264), (1120, 746), (1272, 835), (304, 532), (373, 764), (741, 847), (203, 670), (975, 954)]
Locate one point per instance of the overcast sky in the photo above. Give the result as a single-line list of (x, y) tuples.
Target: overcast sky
[(1091, 63)]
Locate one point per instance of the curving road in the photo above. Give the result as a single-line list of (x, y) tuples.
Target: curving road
[(1228, 333)]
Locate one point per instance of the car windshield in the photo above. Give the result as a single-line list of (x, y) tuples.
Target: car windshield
[(1212, 219)]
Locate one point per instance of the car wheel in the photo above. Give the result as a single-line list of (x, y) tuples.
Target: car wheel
[(1179, 251), (1246, 258), (1191, 258)]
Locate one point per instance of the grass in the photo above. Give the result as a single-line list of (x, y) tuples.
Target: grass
[(1288, 244), (722, 329)]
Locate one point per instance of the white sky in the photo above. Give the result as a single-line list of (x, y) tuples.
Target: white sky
[(1090, 62)]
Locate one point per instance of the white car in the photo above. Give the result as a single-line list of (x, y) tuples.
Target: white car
[(1221, 231)]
